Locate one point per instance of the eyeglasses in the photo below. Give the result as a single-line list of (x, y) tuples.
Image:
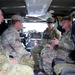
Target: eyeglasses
[(49, 22)]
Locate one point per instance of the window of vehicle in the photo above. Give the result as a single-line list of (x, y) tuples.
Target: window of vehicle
[(36, 26)]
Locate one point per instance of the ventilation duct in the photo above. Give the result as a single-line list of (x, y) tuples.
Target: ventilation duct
[(37, 7)]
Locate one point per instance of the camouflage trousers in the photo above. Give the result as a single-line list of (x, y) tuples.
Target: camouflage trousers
[(15, 69), (48, 55), (26, 60), (59, 67), (8, 67), (35, 51), (23, 60)]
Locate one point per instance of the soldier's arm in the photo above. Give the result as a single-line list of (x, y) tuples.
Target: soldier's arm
[(16, 45), (57, 34), (66, 44)]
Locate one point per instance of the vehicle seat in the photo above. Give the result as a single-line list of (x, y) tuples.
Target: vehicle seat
[(61, 67), (73, 32)]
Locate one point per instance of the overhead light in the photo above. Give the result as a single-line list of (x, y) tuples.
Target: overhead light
[(51, 11)]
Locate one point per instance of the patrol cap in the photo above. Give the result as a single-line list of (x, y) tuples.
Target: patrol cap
[(66, 18), (50, 20), (17, 17)]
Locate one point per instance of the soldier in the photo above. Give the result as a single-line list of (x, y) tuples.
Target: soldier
[(50, 33), (9, 68), (1, 19), (12, 43), (58, 49)]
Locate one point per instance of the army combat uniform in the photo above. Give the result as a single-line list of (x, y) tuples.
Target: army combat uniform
[(61, 51), (11, 42), (47, 36), (50, 34), (9, 68)]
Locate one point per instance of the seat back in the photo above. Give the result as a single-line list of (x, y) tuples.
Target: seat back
[(67, 71), (73, 32)]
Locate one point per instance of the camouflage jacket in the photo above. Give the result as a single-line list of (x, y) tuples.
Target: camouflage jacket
[(66, 42), (50, 34), (9, 68), (11, 42)]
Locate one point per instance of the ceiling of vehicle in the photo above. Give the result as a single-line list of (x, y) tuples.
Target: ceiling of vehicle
[(37, 7)]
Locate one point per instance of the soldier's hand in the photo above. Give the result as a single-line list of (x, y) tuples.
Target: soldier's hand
[(13, 60), (55, 41), (47, 45), (50, 46)]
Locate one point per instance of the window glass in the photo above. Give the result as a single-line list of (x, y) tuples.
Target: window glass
[(38, 26)]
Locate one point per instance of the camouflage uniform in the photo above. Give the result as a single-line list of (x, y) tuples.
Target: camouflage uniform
[(54, 32), (9, 68), (51, 34), (62, 51), (11, 42)]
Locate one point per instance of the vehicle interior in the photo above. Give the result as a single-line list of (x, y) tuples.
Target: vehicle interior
[(34, 9), (35, 13), (37, 10)]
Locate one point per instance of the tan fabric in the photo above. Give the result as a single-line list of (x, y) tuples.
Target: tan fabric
[(25, 60), (15, 69), (59, 67)]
